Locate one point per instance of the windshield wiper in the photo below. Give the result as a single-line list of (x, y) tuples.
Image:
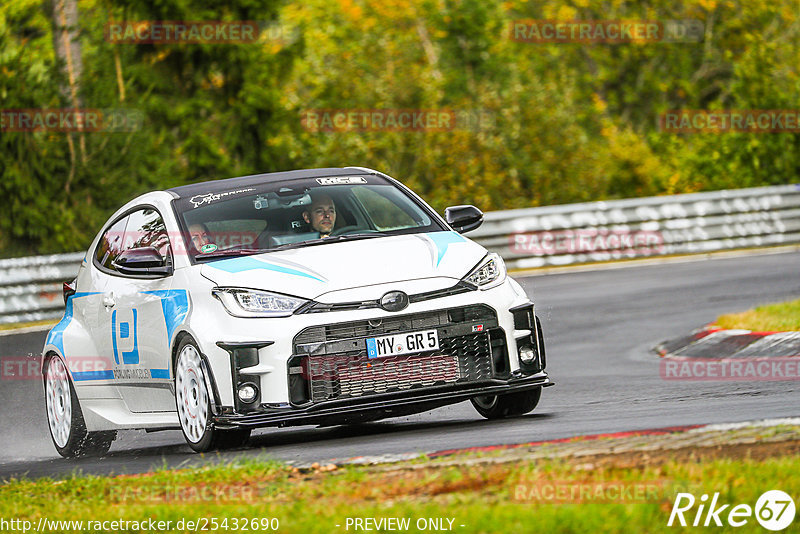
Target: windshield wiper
[(233, 252), (363, 235), (306, 243)]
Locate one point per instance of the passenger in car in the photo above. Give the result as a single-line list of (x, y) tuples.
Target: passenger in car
[(200, 235), (321, 214)]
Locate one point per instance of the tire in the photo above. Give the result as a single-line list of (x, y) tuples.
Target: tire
[(64, 417), (193, 403), (511, 404)]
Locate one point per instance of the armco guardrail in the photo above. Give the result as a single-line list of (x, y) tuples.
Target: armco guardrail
[(30, 288), (634, 228)]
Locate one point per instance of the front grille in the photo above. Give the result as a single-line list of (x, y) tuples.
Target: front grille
[(331, 361), (388, 325), (333, 378), (319, 307)]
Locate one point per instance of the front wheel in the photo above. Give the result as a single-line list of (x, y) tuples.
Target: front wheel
[(510, 404), (193, 401), (64, 416)]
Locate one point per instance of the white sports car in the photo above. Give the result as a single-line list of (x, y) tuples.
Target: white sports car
[(323, 296)]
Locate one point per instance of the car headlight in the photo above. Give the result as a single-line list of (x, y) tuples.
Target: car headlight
[(489, 273), (254, 303)]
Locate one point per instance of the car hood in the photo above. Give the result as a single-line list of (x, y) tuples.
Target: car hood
[(347, 270)]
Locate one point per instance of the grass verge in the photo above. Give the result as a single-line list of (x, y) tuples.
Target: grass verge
[(778, 317), (628, 493)]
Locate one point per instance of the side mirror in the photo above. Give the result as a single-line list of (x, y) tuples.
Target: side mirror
[(463, 218), (141, 261)]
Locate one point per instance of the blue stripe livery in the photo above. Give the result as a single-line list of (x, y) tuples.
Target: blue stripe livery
[(80, 376), (246, 263), (442, 240), (56, 335), (175, 305)]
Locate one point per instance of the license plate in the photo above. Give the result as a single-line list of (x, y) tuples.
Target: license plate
[(398, 344)]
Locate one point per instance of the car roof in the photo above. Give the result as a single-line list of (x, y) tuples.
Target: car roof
[(217, 186)]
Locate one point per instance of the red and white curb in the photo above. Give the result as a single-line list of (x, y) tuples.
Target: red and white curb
[(713, 342)]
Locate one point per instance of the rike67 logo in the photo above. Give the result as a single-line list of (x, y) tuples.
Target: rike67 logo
[(774, 510)]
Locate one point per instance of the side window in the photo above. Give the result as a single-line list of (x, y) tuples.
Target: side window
[(146, 229), (142, 228), (111, 244), (385, 214)]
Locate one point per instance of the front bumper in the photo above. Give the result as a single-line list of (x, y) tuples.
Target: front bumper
[(377, 407), (268, 352)]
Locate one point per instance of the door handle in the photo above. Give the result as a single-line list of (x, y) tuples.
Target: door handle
[(108, 300)]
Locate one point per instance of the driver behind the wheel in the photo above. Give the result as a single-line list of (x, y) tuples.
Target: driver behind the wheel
[(321, 214)]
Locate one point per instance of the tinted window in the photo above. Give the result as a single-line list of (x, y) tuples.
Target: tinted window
[(142, 228), (111, 244), (274, 215), (235, 232), (146, 229), (386, 213)]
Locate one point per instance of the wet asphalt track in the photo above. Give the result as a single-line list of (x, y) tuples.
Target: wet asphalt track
[(599, 327)]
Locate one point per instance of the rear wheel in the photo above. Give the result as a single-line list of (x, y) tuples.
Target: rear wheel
[(64, 416), (510, 404), (193, 401)]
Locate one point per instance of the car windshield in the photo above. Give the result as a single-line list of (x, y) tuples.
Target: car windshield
[(299, 213)]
